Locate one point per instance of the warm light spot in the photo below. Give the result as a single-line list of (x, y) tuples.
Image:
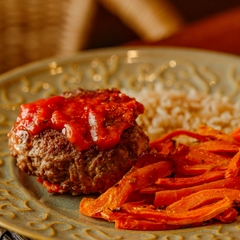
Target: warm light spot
[(151, 77), (172, 63), (97, 77), (72, 80), (112, 59), (212, 83), (169, 83), (25, 89), (94, 63), (163, 67), (46, 85), (52, 65), (132, 54), (54, 69)]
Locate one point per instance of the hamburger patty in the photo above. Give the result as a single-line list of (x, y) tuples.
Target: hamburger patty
[(50, 156)]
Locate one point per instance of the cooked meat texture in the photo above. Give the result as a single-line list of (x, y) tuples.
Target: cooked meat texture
[(50, 156)]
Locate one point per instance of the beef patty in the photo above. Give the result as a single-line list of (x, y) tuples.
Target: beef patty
[(51, 156)]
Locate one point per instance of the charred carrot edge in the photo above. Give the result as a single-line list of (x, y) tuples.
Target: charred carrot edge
[(203, 197), (135, 224), (177, 133), (236, 134), (218, 146), (182, 182), (228, 215), (198, 215), (233, 167), (167, 197)]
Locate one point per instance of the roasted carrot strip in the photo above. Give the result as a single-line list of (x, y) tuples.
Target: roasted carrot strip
[(139, 196), (152, 157), (176, 183), (124, 211), (117, 195), (176, 133), (236, 135), (185, 165), (198, 215), (136, 224), (214, 134), (181, 151), (127, 220), (197, 169), (233, 167), (182, 182), (151, 189), (218, 146), (167, 197), (228, 215), (164, 147), (196, 155), (191, 171), (203, 197)]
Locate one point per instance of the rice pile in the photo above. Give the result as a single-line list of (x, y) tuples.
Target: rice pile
[(168, 110)]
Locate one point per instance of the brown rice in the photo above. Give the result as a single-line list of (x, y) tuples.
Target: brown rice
[(167, 110)]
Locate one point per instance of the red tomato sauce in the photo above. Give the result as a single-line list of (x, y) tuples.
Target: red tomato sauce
[(92, 117)]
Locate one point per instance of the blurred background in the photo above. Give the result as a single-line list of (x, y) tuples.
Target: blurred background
[(31, 30)]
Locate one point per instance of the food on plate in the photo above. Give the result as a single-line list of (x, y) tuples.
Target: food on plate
[(168, 109), (176, 185), (98, 141), (79, 142)]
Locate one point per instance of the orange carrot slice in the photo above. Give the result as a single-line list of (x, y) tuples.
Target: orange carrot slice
[(176, 183), (233, 167), (117, 195), (167, 197), (203, 197)]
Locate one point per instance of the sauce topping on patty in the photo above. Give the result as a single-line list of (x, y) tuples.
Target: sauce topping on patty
[(88, 117)]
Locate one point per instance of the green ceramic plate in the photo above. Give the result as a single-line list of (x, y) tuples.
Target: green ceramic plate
[(25, 207)]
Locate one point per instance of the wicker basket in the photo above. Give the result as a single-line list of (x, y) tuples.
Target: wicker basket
[(35, 29)]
